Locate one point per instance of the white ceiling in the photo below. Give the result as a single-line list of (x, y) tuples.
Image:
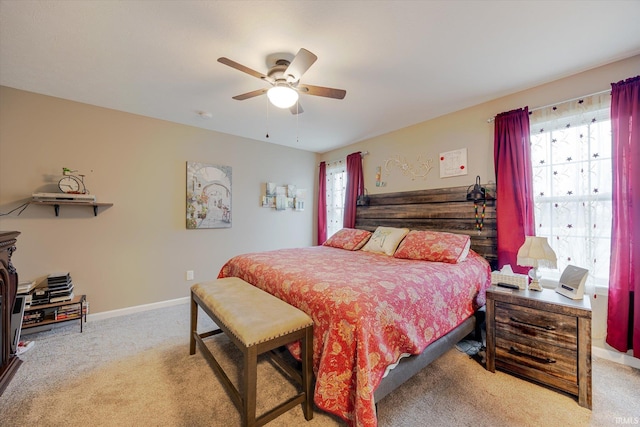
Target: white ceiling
[(401, 62)]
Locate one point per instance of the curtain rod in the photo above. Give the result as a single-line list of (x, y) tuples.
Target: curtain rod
[(490, 120), (362, 154)]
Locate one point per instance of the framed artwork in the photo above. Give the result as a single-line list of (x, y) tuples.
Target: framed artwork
[(301, 194), (281, 190), (268, 201), (283, 197), (270, 189), (208, 196), (453, 163), (281, 202)]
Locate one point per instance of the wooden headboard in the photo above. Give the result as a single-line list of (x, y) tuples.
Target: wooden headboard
[(442, 209)]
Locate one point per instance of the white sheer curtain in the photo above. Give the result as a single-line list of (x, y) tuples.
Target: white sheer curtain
[(571, 156), (335, 187)]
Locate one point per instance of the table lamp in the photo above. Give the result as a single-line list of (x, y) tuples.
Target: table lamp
[(536, 252)]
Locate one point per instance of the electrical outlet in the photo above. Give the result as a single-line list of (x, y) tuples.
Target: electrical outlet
[(189, 274)]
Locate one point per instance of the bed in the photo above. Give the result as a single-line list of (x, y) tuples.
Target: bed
[(373, 310)]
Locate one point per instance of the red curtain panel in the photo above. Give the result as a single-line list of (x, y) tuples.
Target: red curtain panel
[(514, 204), (355, 188), (322, 204), (623, 318)]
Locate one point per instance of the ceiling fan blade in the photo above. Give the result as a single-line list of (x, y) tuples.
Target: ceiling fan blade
[(327, 92), (296, 108), (299, 65), (250, 94), (240, 67)]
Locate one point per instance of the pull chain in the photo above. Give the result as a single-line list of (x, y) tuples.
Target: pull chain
[(267, 118), (297, 126)]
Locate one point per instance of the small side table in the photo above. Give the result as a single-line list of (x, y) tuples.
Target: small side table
[(47, 314), (541, 336)]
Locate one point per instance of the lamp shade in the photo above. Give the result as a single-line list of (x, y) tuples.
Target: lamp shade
[(536, 252), (282, 96)]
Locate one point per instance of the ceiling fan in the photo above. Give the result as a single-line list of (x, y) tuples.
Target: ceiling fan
[(284, 78)]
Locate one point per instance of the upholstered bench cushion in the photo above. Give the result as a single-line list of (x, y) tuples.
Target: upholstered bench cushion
[(243, 308)]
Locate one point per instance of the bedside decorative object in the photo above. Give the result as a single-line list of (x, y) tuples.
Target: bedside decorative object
[(478, 194), (506, 275), (572, 282), (363, 199), (536, 252)]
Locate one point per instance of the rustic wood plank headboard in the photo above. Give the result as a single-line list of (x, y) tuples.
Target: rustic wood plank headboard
[(442, 209)]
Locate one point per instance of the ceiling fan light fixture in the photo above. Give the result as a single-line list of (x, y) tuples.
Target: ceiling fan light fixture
[(284, 76), (282, 96)]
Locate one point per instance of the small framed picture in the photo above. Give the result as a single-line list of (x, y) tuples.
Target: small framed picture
[(453, 163)]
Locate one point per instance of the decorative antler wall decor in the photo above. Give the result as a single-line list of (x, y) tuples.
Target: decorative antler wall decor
[(421, 170)]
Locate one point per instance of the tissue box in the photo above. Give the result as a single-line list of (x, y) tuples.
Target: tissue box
[(520, 280)]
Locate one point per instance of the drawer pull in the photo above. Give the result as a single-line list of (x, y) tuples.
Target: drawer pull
[(517, 352), (545, 327)]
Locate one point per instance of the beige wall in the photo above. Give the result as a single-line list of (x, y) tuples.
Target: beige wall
[(469, 129), (137, 251)]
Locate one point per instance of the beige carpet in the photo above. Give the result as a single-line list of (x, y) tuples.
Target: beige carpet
[(136, 370)]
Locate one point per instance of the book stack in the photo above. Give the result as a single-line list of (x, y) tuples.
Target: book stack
[(68, 312), (26, 289), (60, 287), (56, 288), (32, 317), (40, 295)]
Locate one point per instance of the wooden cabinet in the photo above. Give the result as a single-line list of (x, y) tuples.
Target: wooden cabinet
[(8, 287), (541, 336)]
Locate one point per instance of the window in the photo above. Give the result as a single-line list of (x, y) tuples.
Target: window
[(572, 185), (335, 187)]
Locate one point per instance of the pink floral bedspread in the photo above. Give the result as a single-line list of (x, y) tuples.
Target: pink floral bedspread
[(368, 309)]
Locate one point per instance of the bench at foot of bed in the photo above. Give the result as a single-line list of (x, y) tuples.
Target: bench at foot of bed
[(256, 322)]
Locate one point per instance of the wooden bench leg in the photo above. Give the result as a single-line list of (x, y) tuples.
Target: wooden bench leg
[(249, 386), (307, 372), (194, 326)]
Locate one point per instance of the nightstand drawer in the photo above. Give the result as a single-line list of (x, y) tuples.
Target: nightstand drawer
[(527, 355), (540, 326)]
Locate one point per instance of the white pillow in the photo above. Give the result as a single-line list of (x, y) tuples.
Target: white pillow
[(385, 240)]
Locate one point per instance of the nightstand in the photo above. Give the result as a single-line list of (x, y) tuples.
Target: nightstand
[(541, 336)]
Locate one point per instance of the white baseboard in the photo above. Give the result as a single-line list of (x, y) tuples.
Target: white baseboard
[(615, 356), (136, 309)]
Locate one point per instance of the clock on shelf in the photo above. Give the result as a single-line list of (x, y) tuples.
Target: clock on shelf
[(70, 183)]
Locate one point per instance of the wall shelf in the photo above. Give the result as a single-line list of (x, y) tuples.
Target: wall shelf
[(57, 203)]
